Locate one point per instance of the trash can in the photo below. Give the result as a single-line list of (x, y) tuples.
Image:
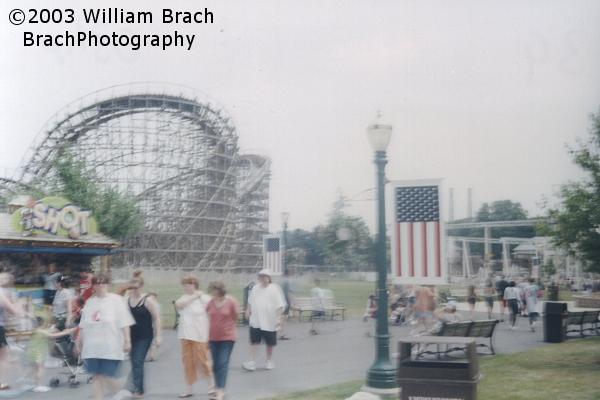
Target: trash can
[(555, 322), (437, 377), (553, 292)]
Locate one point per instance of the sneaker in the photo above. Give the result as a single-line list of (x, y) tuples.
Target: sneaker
[(40, 389), (249, 366), (122, 395), (269, 365)]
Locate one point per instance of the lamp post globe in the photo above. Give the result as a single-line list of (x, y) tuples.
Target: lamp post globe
[(381, 376)]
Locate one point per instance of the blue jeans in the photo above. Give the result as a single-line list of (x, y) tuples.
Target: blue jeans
[(221, 351), (137, 355)]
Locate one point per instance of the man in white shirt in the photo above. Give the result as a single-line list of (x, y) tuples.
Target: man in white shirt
[(265, 307), (317, 298)]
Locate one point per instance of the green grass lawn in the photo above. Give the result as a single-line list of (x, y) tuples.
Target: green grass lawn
[(567, 371)]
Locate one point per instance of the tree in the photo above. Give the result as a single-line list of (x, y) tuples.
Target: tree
[(344, 241), (116, 213), (575, 225), (501, 210), (304, 248), (347, 242)]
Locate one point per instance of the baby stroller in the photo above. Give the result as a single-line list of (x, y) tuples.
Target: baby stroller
[(63, 348), (401, 311), (371, 309)]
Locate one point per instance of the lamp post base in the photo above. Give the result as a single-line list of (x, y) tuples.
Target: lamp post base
[(392, 393)]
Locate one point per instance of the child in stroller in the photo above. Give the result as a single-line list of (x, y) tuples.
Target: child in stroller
[(402, 310), (371, 310), (62, 347)]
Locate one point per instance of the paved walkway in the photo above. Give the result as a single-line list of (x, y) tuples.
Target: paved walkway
[(341, 352)]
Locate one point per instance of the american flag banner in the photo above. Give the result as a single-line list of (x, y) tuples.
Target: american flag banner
[(418, 255), (272, 255)]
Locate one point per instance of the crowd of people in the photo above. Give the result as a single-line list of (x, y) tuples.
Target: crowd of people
[(108, 326), (418, 305)]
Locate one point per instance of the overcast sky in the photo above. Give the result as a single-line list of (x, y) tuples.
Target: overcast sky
[(484, 94)]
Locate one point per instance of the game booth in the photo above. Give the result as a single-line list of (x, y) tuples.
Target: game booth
[(48, 236)]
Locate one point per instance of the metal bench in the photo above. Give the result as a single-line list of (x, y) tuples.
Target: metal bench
[(458, 294), (582, 318), (575, 318), (484, 329), (590, 318), (335, 309), (473, 329), (300, 305)]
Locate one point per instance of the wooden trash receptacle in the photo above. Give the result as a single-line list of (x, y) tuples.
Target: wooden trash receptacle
[(438, 378)]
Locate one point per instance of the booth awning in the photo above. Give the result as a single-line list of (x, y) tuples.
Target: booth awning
[(12, 241)]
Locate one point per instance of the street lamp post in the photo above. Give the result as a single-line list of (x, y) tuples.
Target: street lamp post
[(382, 374), (285, 217)]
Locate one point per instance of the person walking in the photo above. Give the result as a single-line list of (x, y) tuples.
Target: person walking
[(104, 336), (265, 307), (513, 299), (317, 299), (50, 279), (501, 286), (531, 295), (6, 307), (488, 295), (286, 287), (223, 311), (62, 306), (472, 300), (193, 333), (147, 329)]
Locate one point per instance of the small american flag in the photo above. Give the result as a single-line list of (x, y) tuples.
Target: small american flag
[(272, 256), (417, 249)]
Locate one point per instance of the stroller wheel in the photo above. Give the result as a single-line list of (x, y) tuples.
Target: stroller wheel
[(74, 384), (54, 382)]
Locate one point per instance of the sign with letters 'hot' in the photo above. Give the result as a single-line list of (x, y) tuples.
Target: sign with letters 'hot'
[(56, 216)]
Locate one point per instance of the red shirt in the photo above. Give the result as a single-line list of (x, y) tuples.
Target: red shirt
[(223, 319), (86, 290)]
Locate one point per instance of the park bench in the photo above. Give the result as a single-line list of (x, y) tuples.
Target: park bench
[(581, 319), (335, 309), (301, 305), (458, 295), (483, 329)]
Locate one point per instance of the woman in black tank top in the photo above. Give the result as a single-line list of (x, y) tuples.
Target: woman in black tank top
[(147, 329)]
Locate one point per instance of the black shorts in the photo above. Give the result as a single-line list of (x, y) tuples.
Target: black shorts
[(49, 296), (489, 300), (472, 300), (257, 335), (3, 342)]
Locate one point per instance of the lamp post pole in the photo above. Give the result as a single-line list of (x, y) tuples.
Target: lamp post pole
[(284, 219), (382, 374)]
